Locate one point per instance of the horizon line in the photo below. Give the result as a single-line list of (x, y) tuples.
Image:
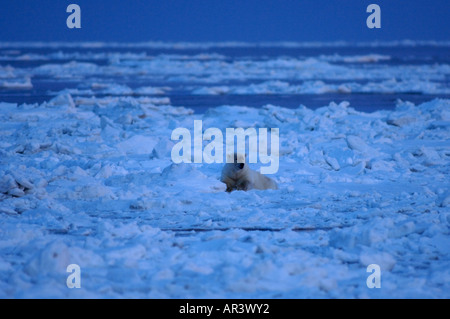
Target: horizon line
[(160, 44)]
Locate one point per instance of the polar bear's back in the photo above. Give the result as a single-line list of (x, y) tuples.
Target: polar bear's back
[(260, 181)]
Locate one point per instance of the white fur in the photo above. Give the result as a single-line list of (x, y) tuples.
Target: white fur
[(244, 179)]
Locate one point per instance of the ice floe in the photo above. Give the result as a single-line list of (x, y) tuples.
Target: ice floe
[(90, 181)]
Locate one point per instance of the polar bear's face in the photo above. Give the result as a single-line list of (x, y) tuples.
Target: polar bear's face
[(235, 165), (236, 158)]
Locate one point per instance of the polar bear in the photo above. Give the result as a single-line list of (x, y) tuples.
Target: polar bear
[(239, 176)]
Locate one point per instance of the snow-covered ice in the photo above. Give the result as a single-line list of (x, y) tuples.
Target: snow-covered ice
[(91, 182), (86, 175)]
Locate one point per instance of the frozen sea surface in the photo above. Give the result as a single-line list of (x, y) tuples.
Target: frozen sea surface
[(203, 75), (86, 177)]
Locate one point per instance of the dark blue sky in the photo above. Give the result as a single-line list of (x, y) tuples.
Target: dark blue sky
[(225, 20)]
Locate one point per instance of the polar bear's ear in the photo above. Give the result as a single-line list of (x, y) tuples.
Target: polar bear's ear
[(235, 157), (231, 158), (240, 157)]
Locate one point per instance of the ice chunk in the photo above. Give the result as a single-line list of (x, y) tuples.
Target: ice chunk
[(138, 144), (444, 200), (333, 163), (15, 84), (356, 143), (52, 259), (214, 90), (117, 89), (431, 157), (17, 192), (7, 182), (23, 181), (109, 170), (63, 99), (383, 259), (150, 90), (401, 121), (162, 149), (7, 210)]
